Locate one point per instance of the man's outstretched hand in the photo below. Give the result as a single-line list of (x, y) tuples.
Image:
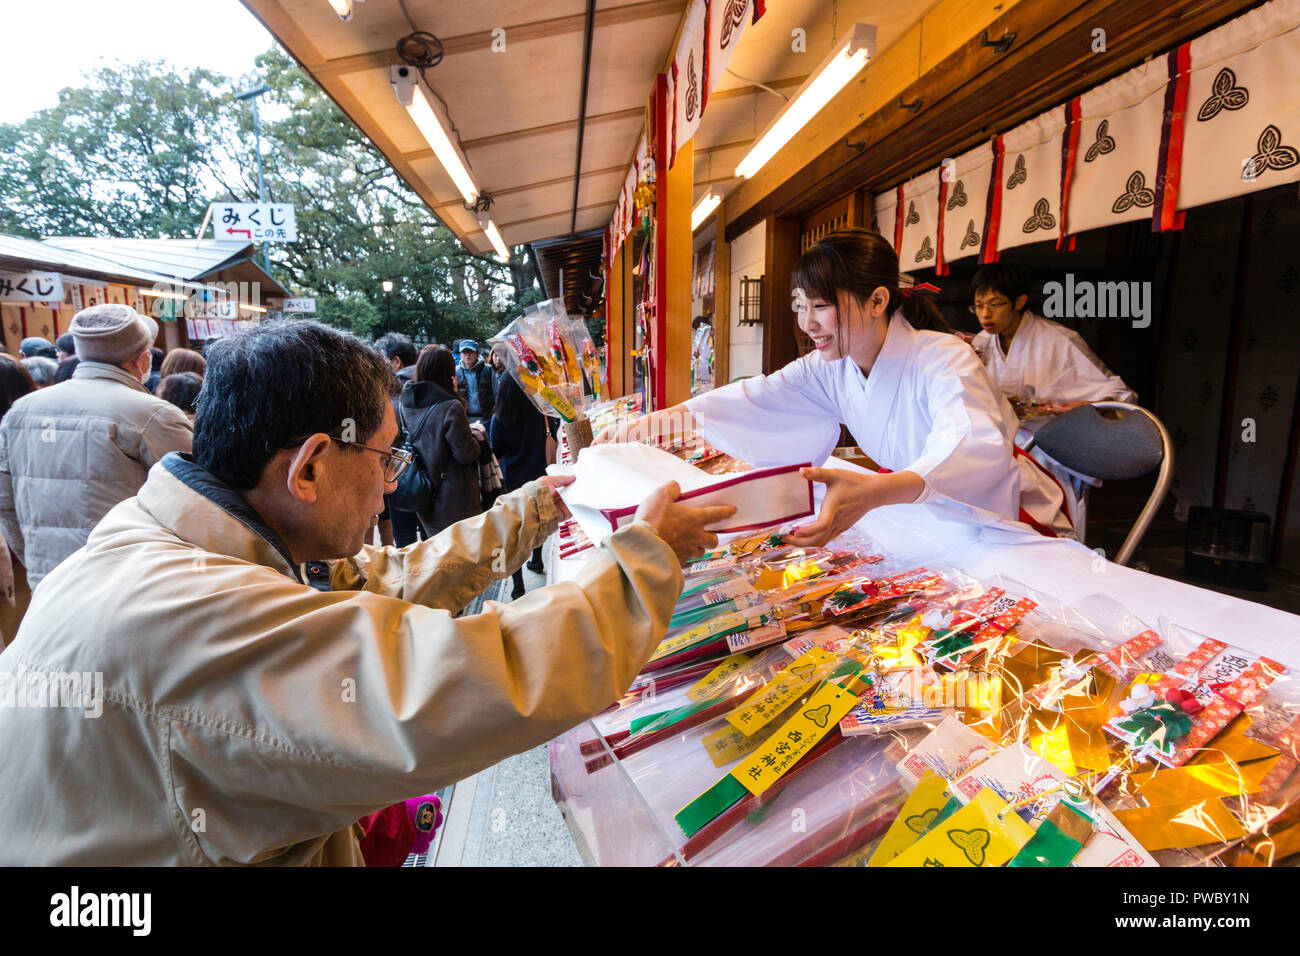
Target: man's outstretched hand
[(555, 483), (682, 526)]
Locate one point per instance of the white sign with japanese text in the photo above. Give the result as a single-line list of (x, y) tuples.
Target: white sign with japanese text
[(297, 305), (254, 221), (198, 306), (30, 286)]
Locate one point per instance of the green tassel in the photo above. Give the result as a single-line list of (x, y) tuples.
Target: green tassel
[(713, 802), (666, 718)]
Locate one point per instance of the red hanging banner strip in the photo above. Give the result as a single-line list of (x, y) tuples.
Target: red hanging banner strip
[(940, 266), (672, 153), (898, 221), (1169, 170), (993, 214), (704, 93), (1069, 150)]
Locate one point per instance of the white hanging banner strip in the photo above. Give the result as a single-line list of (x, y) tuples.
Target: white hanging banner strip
[(726, 20), (1115, 165), (688, 79), (1031, 181), (920, 222), (965, 202), (1242, 128), (883, 211)]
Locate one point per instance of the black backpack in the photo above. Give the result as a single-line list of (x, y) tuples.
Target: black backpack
[(415, 489)]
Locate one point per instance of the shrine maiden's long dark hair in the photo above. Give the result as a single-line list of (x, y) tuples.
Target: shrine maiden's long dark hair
[(856, 262)]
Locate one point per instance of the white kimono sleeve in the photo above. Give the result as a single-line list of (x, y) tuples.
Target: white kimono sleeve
[(1082, 376), (967, 454), (779, 419)]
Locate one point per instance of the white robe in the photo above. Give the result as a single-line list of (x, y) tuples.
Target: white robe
[(928, 407), (1050, 363)]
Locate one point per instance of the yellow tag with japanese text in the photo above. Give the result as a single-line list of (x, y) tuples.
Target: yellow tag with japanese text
[(728, 744), (768, 701), (723, 622), (979, 834), (707, 685), (798, 735), (915, 818), (558, 402)]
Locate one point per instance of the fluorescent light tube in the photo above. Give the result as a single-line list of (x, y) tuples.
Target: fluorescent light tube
[(428, 117), (844, 62)]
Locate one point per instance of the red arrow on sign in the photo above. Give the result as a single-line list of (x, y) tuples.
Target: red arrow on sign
[(247, 232)]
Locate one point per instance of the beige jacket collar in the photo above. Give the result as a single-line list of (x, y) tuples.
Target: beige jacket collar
[(102, 371), (203, 511)]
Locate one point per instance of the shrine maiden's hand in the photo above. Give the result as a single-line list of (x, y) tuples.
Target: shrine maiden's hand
[(850, 495), (555, 483)]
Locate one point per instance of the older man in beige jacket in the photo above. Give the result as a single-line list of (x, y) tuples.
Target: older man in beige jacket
[(70, 453), (227, 675)]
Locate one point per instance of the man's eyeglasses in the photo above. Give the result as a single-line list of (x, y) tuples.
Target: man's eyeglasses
[(396, 460), (979, 307)]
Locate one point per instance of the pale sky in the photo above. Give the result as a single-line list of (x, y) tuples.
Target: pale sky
[(51, 43)]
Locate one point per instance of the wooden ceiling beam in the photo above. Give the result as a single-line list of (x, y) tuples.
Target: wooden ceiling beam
[(522, 32), (561, 127), (551, 215), (974, 93)]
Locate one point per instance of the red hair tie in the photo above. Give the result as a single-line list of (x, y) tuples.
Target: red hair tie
[(920, 287)]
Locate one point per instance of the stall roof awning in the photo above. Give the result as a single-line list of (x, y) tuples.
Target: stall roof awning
[(42, 255), (516, 106), (188, 259), (571, 270), (511, 77)]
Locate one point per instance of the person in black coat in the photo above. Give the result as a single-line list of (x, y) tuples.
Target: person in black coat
[(435, 417), (518, 435)]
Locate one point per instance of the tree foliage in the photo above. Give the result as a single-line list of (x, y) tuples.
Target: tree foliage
[(140, 150)]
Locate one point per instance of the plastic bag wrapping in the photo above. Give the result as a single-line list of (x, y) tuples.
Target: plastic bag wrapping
[(1049, 734), (539, 353)]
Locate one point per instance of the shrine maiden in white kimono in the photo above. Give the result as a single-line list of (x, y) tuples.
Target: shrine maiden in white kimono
[(928, 407), (1052, 364), (1053, 361)]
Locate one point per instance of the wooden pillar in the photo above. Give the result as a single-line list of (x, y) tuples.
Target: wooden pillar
[(675, 354), (619, 316), (782, 251), (657, 325), (721, 301)]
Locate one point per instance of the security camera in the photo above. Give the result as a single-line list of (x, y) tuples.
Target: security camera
[(403, 79)]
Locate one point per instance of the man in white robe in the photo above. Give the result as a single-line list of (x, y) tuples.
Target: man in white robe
[(1034, 359)]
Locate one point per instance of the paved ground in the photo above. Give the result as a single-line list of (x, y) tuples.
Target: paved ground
[(505, 816)]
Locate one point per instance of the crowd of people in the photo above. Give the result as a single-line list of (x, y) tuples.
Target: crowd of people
[(272, 687), (466, 420), (197, 534)]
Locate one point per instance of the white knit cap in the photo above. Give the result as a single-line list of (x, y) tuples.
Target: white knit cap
[(112, 333)]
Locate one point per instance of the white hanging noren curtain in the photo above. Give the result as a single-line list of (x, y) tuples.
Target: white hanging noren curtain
[(1242, 125), (1115, 163), (965, 202), (1030, 182), (920, 222)]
